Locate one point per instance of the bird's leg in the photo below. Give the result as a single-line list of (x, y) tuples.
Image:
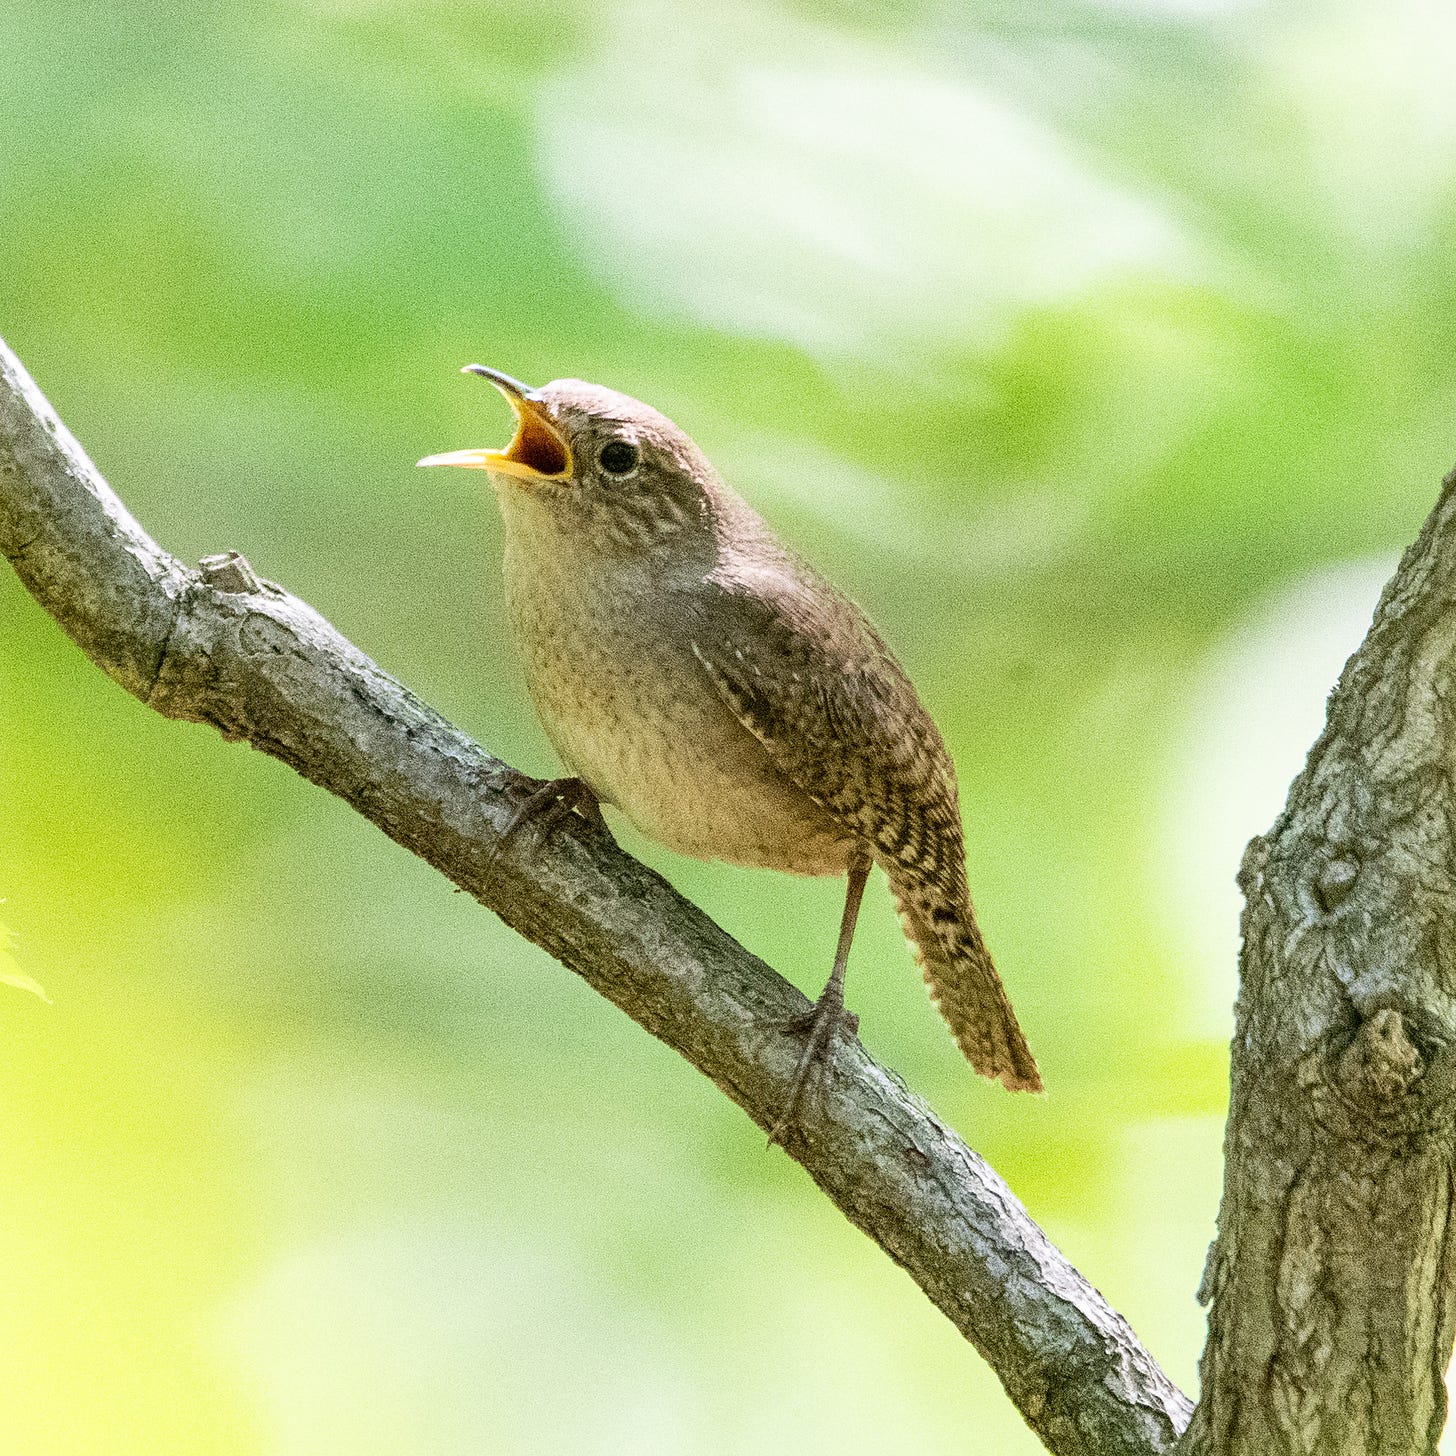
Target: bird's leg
[(828, 1013), (548, 804)]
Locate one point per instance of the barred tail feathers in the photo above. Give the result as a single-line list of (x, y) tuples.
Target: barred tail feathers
[(965, 986)]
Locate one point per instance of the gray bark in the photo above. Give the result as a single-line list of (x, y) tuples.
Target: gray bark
[(218, 646), (1332, 1277)]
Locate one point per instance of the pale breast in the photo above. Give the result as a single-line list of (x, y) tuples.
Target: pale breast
[(632, 712)]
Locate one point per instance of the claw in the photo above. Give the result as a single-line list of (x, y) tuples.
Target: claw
[(828, 1014), (827, 1017), (546, 806)]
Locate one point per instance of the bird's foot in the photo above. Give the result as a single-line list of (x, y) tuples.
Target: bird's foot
[(819, 1024), (549, 802)]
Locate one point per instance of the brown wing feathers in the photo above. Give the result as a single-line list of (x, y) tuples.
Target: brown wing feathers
[(808, 675)]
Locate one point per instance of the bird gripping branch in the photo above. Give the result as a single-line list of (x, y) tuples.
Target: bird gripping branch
[(693, 672)]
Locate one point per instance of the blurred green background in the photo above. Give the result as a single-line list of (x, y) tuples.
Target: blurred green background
[(1105, 351)]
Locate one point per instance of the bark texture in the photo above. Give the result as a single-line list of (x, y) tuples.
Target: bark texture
[(1333, 1276), (218, 646)]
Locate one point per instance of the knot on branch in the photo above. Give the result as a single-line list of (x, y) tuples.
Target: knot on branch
[(1387, 1084), (1382, 1063)]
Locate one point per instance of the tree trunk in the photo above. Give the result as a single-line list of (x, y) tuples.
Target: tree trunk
[(1331, 1280)]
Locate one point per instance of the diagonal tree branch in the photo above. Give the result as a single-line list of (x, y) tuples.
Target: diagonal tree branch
[(218, 646)]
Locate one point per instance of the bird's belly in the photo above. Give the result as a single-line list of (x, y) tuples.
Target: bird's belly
[(649, 733)]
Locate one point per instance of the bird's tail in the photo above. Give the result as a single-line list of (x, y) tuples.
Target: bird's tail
[(964, 983)]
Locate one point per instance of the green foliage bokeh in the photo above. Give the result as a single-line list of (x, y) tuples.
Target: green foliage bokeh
[(1103, 351)]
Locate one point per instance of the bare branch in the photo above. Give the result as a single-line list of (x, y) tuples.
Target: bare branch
[(217, 646), (1333, 1280)]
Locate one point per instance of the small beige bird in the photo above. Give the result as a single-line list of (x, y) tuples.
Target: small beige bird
[(696, 674)]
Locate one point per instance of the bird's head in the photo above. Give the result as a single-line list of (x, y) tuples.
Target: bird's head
[(596, 461)]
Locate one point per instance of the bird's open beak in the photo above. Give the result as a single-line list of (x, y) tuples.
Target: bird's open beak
[(537, 450)]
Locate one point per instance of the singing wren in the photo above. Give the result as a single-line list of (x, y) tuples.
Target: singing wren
[(696, 674)]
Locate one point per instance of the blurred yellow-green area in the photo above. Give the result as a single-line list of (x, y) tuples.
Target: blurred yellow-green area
[(1105, 350)]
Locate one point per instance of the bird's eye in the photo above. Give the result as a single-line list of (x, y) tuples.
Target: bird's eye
[(619, 457)]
